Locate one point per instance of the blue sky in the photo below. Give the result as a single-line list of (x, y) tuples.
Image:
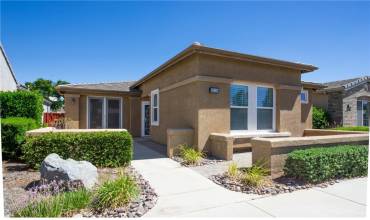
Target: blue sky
[(118, 41)]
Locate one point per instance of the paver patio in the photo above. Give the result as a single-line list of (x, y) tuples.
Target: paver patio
[(185, 192)]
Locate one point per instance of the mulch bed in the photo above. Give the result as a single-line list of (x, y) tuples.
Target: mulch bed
[(18, 177), (271, 187)]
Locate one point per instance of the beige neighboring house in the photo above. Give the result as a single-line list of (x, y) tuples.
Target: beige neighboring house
[(203, 90), (8, 82), (347, 101)]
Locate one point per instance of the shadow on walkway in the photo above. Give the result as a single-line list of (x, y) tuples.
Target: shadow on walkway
[(145, 148)]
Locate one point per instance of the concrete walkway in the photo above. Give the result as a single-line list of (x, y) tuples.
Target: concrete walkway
[(185, 192)]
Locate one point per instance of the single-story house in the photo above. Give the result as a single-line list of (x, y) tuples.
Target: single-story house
[(204, 89), (347, 101)]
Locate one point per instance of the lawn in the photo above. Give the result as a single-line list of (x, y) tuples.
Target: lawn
[(354, 128)]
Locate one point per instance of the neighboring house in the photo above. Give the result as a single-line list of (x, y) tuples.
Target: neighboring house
[(8, 82), (205, 89), (347, 101)]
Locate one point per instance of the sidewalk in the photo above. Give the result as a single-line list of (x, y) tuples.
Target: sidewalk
[(184, 192)]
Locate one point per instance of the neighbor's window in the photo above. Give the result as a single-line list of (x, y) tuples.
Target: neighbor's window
[(154, 100), (265, 108), (239, 107), (304, 96)]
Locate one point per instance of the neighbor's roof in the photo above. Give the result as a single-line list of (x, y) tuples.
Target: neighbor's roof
[(347, 83), (198, 48), (97, 87)]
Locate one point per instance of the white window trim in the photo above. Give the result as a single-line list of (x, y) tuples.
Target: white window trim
[(252, 108), (104, 113), (306, 94), (152, 93)]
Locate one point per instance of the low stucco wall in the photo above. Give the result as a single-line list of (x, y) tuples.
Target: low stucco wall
[(324, 132), (41, 131), (176, 137), (274, 151)]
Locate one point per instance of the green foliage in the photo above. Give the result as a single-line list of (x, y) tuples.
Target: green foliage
[(47, 89), (320, 118), (190, 155), (321, 164), (355, 128), (103, 149), (116, 193), (21, 104), (13, 133), (56, 206), (233, 171), (255, 175)]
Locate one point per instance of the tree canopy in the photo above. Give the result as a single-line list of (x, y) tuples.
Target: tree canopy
[(47, 89)]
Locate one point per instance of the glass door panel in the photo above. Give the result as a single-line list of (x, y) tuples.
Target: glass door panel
[(96, 106), (113, 113)]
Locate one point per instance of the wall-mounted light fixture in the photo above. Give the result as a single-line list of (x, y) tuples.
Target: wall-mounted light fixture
[(348, 108)]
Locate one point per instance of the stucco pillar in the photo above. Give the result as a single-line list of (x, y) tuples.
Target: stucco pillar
[(72, 110)]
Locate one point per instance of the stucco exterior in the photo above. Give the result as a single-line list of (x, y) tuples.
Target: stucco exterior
[(186, 103)]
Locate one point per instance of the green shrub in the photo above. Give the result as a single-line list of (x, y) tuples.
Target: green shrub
[(321, 164), (13, 132), (116, 193), (233, 171), (320, 118), (103, 149), (355, 128), (21, 104), (255, 176), (190, 155), (56, 206)]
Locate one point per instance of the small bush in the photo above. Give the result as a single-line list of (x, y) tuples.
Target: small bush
[(13, 134), (255, 176), (190, 155), (355, 128), (321, 164), (320, 118), (103, 149), (21, 104), (116, 193), (56, 206), (233, 171)]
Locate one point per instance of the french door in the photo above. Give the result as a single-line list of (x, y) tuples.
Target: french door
[(363, 107), (104, 112)]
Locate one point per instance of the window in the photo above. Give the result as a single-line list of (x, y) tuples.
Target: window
[(154, 100), (251, 108), (239, 107), (104, 112), (265, 108), (363, 107), (304, 96)]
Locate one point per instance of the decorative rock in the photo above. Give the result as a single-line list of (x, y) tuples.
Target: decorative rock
[(55, 168)]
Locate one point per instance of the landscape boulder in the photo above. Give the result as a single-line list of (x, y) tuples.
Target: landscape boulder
[(55, 168)]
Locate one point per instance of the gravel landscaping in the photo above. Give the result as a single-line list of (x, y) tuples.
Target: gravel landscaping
[(209, 160), (271, 187), (18, 178)]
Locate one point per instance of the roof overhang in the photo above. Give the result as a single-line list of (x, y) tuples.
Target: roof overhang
[(65, 89), (312, 85), (197, 48)]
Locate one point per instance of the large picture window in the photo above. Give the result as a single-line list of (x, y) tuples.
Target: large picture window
[(252, 108), (104, 112), (154, 103), (239, 107), (363, 107)]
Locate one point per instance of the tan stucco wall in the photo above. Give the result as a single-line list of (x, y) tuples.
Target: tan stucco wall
[(76, 111), (306, 112), (320, 100), (192, 106)]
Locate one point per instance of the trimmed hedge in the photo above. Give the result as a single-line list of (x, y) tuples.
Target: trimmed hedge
[(21, 104), (320, 164), (354, 128), (103, 149), (13, 132)]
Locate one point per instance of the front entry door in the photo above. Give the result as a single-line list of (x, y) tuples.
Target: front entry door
[(145, 118)]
